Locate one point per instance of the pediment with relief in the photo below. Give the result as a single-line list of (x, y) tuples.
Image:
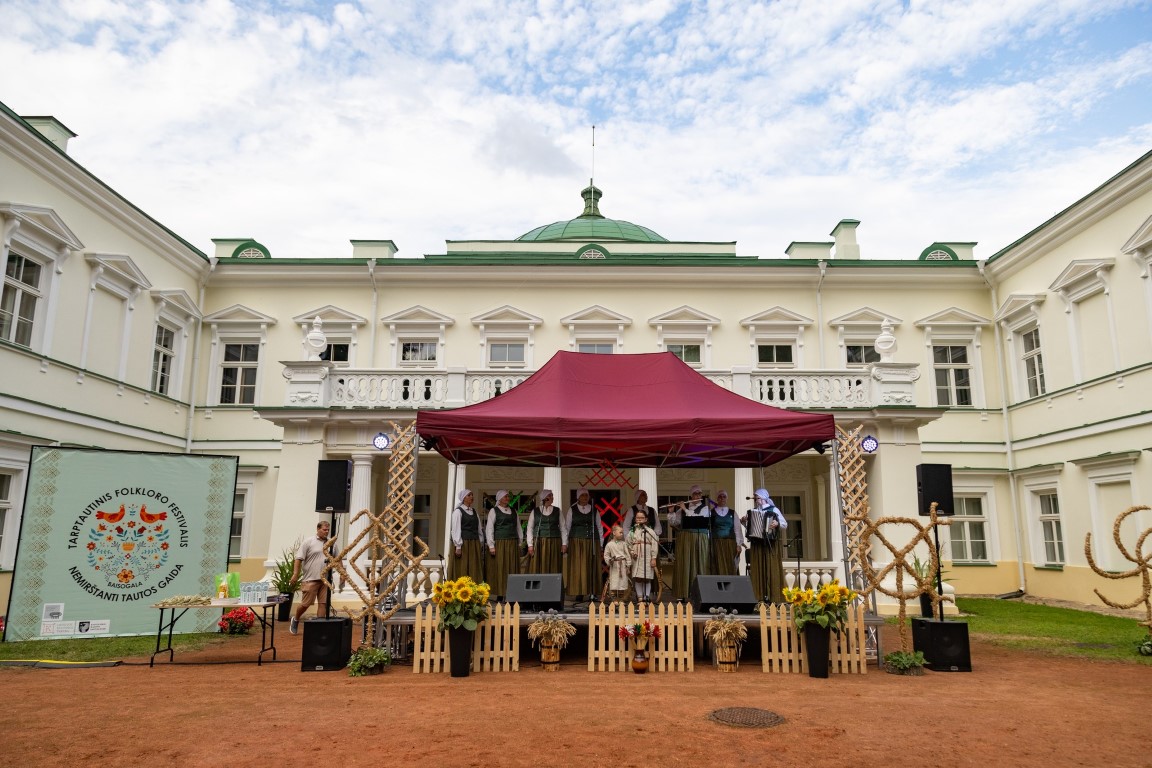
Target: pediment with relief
[(506, 315), (776, 316), (684, 315), (595, 315), (417, 315), (865, 316), (238, 314), (952, 317), (330, 315)]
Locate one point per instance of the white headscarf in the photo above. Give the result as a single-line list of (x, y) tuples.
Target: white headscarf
[(545, 493), (501, 494), (762, 493), (636, 496), (695, 489), (463, 495)]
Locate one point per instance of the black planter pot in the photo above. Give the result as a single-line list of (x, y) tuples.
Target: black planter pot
[(817, 641), (926, 606), (284, 610), (460, 651)]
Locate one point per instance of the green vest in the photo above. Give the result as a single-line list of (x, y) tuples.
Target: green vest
[(722, 527), (506, 526), (547, 526), (583, 526), (469, 526)]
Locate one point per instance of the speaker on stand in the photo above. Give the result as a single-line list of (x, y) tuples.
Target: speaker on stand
[(934, 484)]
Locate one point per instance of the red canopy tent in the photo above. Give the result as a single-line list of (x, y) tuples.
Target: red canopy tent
[(649, 410)]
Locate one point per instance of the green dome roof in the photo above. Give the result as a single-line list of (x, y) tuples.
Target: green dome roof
[(590, 225)]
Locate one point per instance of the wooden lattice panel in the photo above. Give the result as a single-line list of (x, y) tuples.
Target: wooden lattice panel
[(382, 543), (852, 475), (1140, 560), (495, 643), (607, 652), (782, 645)]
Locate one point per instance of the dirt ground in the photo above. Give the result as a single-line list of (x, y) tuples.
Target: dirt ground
[(1013, 709)]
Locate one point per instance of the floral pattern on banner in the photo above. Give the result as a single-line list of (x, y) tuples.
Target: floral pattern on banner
[(127, 545)]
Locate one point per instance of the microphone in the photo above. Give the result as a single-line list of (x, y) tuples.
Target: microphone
[(749, 498)]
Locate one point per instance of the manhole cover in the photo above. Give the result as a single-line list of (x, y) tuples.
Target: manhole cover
[(746, 717)]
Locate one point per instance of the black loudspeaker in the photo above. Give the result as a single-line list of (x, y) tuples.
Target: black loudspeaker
[(943, 643), (934, 484), (332, 478), (327, 644), (535, 591), (731, 592)]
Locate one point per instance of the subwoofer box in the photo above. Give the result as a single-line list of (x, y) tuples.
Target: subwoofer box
[(327, 644)]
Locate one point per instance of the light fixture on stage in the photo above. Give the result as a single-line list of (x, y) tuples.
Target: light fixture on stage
[(429, 443), (820, 447), (381, 441), (869, 444)]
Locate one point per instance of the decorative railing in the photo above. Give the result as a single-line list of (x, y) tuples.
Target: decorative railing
[(812, 574), (451, 389)]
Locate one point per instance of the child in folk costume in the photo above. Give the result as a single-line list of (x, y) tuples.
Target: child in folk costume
[(645, 547), (468, 539), (504, 537), (582, 566), (727, 537), (765, 523), (642, 504), (618, 558), (547, 538), (693, 546)]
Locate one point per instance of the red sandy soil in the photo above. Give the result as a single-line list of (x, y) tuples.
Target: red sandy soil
[(1014, 709)]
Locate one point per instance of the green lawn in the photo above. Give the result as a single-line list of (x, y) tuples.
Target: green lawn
[(101, 648), (1059, 631)]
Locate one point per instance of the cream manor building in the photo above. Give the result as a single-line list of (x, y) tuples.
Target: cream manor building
[(1028, 372)]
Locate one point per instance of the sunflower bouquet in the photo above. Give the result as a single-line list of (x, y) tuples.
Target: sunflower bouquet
[(462, 603), (827, 606)]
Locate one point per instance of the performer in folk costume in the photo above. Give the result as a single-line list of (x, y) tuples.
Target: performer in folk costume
[(693, 548), (504, 536), (582, 566), (727, 537), (645, 546), (468, 538), (766, 524), (547, 538), (618, 558), (642, 504)]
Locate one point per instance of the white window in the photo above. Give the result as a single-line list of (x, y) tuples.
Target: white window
[(5, 507), (1048, 506), (968, 533), (238, 372), (953, 373), (336, 352), (19, 300), (419, 353), (163, 355), (775, 355), (236, 535), (689, 353), (860, 355), (596, 347), (1033, 361), (506, 354)]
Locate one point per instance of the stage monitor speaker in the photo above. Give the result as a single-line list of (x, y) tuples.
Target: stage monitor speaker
[(733, 593), (327, 644), (535, 591), (934, 484), (943, 643), (332, 477)]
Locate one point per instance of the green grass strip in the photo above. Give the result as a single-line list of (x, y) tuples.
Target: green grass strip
[(102, 648)]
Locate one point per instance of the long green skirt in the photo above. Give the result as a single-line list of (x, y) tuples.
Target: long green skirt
[(547, 557), (505, 562), (582, 569), (724, 556), (767, 571), (693, 552), (470, 563)]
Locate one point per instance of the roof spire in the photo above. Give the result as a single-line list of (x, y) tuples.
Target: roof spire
[(591, 197)]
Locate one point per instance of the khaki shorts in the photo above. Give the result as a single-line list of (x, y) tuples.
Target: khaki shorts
[(311, 590)]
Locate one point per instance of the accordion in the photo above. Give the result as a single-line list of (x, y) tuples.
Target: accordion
[(758, 525)]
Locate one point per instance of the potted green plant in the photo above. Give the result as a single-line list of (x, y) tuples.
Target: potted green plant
[(282, 581), (904, 663), (552, 630), (726, 633), (818, 613), (923, 571), (368, 660)]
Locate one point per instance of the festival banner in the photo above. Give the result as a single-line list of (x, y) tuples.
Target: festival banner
[(107, 534)]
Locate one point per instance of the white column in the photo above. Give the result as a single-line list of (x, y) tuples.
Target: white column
[(361, 495), (553, 478), (457, 481), (828, 504), (743, 486)]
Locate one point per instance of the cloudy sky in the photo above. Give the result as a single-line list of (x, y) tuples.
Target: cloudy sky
[(307, 124)]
